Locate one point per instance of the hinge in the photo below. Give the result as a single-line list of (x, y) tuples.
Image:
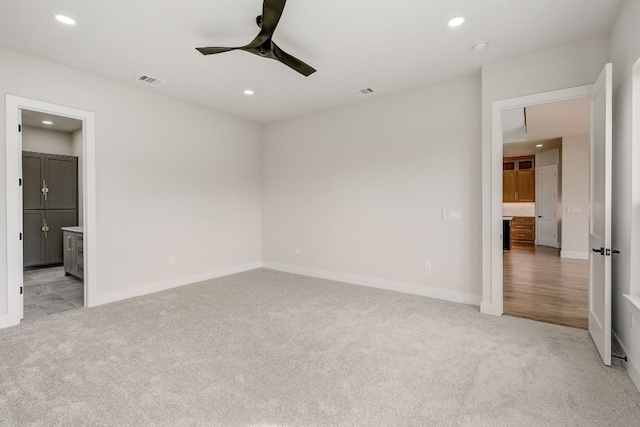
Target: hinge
[(608, 252), (20, 290), (19, 128), (19, 182), (20, 236)]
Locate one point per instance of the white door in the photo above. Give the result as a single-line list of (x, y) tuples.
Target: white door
[(547, 206), (600, 216)]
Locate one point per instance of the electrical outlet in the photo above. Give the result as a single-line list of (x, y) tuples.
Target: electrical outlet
[(172, 260), (445, 214), (427, 266)]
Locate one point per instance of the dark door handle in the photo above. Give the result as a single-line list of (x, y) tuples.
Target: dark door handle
[(539, 216), (615, 251), (600, 251)]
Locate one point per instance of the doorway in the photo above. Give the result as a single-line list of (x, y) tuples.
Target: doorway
[(14, 292), (493, 257), (52, 221), (546, 269)]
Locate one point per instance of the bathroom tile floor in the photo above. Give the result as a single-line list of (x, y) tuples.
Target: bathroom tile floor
[(47, 290)]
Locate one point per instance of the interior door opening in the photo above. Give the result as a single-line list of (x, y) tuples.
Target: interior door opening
[(12, 291), (52, 226), (545, 211)]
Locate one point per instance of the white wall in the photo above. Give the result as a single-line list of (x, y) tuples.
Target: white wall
[(566, 66), (178, 180), (360, 191), (548, 158), (625, 50), (46, 141), (575, 184)]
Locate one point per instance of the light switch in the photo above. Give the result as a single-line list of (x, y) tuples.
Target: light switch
[(455, 214)]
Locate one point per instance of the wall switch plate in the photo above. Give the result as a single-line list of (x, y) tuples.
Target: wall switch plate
[(632, 321), (445, 214), (297, 251), (455, 214), (172, 260), (427, 266)]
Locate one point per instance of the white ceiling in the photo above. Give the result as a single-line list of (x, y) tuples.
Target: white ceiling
[(546, 124), (58, 123), (389, 46)]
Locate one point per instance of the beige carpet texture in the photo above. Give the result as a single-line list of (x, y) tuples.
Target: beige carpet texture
[(265, 348)]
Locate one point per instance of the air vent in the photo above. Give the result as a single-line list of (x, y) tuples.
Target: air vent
[(364, 92), (150, 80)]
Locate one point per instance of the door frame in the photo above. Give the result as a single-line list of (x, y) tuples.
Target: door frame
[(13, 105), (492, 277)]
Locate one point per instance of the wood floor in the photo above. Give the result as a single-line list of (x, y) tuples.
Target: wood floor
[(539, 285)]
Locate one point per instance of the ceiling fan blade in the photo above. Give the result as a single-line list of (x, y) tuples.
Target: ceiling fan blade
[(271, 13), (292, 62), (212, 50)]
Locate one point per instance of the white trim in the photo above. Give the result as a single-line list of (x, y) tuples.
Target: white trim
[(633, 300), (492, 292), (407, 288), (170, 284), (14, 199), (574, 255)]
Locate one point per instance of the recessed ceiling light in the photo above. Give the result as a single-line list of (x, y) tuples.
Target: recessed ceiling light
[(539, 145), (480, 46), (249, 92), (456, 22), (64, 19), (47, 122)]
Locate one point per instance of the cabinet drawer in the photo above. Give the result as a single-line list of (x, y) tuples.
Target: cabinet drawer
[(522, 236)]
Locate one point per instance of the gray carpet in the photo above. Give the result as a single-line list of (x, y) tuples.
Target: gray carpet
[(265, 348)]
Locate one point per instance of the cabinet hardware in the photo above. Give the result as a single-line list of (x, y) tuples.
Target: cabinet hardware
[(68, 243), (44, 189), (45, 229)]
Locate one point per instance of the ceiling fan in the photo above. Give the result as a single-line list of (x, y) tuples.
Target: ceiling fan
[(262, 45)]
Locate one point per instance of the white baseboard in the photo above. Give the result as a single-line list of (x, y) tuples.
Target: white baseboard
[(407, 288), (632, 369), (574, 255), (8, 321), (170, 284), (492, 309)]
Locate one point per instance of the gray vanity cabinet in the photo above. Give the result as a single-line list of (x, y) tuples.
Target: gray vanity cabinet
[(50, 202), (73, 248)]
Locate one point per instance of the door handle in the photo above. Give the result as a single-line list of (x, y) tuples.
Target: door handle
[(68, 243), (600, 251)]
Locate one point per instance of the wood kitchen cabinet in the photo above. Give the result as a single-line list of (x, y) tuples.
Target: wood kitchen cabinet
[(523, 229), (518, 179)]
